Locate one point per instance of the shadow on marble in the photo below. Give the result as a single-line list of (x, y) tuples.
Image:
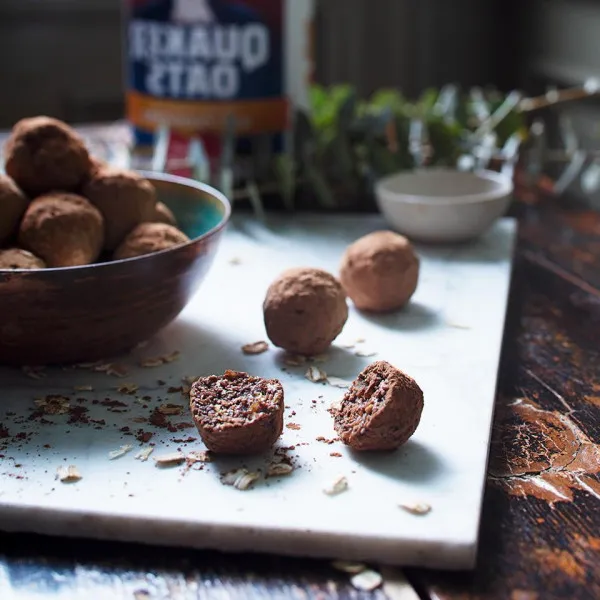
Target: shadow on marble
[(415, 316), (414, 462)]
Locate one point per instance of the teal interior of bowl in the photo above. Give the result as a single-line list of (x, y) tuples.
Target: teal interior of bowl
[(197, 211)]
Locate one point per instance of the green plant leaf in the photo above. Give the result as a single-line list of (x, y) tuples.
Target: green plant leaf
[(285, 171)]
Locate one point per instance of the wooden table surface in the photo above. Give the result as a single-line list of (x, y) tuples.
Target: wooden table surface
[(540, 536)]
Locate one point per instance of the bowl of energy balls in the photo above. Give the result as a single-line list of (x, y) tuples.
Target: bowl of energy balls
[(93, 259)]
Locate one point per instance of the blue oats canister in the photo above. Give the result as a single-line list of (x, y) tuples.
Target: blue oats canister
[(194, 65)]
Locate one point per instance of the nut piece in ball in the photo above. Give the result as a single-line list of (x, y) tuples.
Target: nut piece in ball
[(12, 207), (63, 229), (16, 258), (163, 214), (305, 310), (237, 413), (44, 154), (380, 411), (380, 271), (148, 238), (124, 198)]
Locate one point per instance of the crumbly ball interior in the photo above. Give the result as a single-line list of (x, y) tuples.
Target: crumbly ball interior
[(364, 399), (234, 400)]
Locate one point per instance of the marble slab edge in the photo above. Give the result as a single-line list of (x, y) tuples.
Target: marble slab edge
[(236, 538)]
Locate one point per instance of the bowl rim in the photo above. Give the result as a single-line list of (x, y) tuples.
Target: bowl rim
[(152, 175), (506, 187)]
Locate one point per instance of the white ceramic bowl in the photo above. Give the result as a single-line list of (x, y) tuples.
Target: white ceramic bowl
[(443, 205)]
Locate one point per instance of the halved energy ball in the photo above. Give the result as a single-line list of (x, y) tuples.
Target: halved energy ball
[(237, 413), (380, 411)]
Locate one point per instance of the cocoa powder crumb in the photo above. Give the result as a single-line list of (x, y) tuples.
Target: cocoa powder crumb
[(3, 432), (335, 454), (293, 426), (143, 436)]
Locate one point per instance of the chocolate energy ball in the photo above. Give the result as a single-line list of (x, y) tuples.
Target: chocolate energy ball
[(237, 413), (381, 410), (17, 258), (163, 214), (63, 229), (305, 310), (124, 198), (44, 154), (12, 207), (380, 271), (148, 238)]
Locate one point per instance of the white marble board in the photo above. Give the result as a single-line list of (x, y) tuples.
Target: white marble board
[(448, 339)]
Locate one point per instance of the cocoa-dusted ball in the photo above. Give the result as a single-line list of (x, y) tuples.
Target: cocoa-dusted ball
[(148, 238), (163, 214), (12, 207), (236, 413), (124, 198), (45, 154), (305, 310), (63, 229), (17, 258), (380, 271), (380, 411)]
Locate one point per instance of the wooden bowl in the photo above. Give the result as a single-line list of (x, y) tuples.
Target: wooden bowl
[(80, 314)]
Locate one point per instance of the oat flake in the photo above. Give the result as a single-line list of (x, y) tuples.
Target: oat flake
[(367, 580), (418, 508), (294, 360), (128, 388), (170, 409), (240, 479), (365, 353), (53, 404), (148, 363), (169, 460), (83, 388), (198, 456), (338, 382), (144, 453), (68, 474), (315, 374), (34, 372), (120, 452), (255, 348), (339, 485), (278, 469)]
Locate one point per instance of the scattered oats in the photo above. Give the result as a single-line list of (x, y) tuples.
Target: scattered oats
[(359, 340), (128, 388), (277, 469), (339, 485), (348, 567), (365, 353), (53, 404), (255, 348), (367, 580), (122, 451), (203, 456), (169, 460), (68, 474), (172, 357), (142, 344), (337, 382), (335, 454), (83, 388), (419, 508), (347, 345), (240, 479), (140, 419), (34, 372), (151, 362), (235, 261), (315, 374), (294, 360), (170, 409), (144, 453), (87, 365)]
